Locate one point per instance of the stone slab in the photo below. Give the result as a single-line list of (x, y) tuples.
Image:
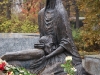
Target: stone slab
[(92, 64), (11, 42)]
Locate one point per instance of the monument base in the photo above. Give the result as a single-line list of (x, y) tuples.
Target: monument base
[(92, 64)]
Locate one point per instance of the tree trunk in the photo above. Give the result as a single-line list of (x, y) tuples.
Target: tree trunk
[(1, 6), (77, 17), (77, 13), (67, 6), (9, 9)]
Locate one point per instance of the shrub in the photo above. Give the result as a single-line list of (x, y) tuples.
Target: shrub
[(77, 38), (16, 25), (86, 40)]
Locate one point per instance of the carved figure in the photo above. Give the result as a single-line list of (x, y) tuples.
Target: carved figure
[(56, 41), (53, 21)]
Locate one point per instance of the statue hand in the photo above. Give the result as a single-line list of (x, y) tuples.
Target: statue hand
[(38, 62)]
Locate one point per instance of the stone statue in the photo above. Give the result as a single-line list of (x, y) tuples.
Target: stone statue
[(56, 42)]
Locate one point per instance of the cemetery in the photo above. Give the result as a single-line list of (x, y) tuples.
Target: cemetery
[(40, 37)]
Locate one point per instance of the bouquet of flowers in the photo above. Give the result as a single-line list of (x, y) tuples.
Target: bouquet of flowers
[(11, 70), (68, 67)]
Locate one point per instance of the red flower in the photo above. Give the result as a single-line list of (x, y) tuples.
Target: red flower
[(8, 73), (2, 65)]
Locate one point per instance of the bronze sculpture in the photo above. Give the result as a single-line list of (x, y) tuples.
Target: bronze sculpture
[(55, 40), (53, 22)]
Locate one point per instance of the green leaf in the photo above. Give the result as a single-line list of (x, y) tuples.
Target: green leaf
[(65, 70), (62, 65)]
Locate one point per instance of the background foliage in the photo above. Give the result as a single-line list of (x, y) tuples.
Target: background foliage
[(86, 38), (23, 22), (90, 32), (18, 26)]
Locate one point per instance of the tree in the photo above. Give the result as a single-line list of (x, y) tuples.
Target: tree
[(91, 30), (31, 8), (5, 8), (1, 6), (72, 9), (77, 13), (9, 9)]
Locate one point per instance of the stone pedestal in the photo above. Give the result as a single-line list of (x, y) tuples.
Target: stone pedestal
[(12, 42), (92, 64)]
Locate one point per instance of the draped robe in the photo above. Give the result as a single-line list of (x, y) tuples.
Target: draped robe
[(53, 21)]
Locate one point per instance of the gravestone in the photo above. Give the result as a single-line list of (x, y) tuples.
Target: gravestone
[(12, 42), (92, 64)]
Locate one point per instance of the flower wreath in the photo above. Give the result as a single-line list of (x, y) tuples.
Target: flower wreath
[(11, 70)]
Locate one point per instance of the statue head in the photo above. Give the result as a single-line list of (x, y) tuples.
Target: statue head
[(52, 3)]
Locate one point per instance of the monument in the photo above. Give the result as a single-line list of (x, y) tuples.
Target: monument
[(55, 44)]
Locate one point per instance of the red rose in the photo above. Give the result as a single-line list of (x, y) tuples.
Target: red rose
[(8, 73), (2, 65)]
